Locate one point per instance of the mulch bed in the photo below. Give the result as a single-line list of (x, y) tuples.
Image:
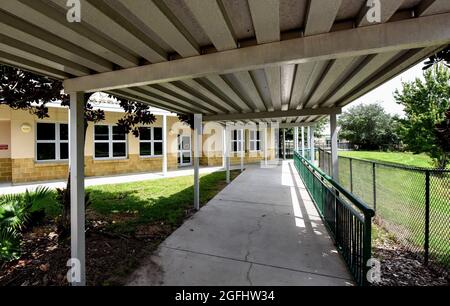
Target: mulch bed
[(110, 258), (401, 267)]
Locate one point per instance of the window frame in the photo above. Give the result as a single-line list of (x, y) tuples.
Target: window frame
[(110, 143), (233, 140), (152, 142), (256, 141), (57, 141)]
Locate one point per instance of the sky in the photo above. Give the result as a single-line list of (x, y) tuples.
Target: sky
[(384, 95)]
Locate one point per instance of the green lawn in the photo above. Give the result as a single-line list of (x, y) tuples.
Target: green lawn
[(403, 158), (129, 205), (400, 198)]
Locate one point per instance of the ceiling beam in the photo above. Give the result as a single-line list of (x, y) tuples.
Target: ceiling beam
[(320, 16), (14, 46), (266, 21), (159, 19), (388, 9), (406, 34), (212, 18), (17, 61), (430, 7), (275, 114), (17, 28), (390, 71), (293, 124)]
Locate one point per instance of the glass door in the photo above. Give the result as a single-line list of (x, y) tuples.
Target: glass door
[(184, 150)]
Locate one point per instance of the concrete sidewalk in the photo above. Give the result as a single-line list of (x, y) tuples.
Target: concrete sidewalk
[(262, 229), (8, 188)]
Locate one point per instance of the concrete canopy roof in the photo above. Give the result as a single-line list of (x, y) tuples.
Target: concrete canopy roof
[(292, 61)]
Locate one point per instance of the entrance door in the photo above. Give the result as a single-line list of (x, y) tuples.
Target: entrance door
[(184, 150)]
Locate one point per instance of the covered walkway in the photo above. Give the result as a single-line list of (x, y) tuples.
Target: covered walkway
[(262, 229)]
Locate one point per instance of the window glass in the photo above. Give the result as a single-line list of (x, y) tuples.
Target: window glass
[(145, 148), (118, 133), (64, 151), (45, 131), (119, 149), (63, 132), (157, 148), (102, 150), (101, 132), (145, 133), (157, 133), (46, 151)]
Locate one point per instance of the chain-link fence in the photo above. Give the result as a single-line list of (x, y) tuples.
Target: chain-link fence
[(411, 203)]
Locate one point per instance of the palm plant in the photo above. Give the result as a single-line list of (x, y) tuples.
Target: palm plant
[(15, 213)]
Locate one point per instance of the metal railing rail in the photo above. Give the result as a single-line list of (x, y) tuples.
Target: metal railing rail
[(348, 219)]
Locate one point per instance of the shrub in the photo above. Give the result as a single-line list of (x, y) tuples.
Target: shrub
[(16, 213)]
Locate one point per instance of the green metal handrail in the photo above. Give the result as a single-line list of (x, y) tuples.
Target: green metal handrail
[(348, 219)]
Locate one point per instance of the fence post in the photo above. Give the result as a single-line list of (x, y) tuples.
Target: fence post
[(351, 175), (374, 187), (427, 217)]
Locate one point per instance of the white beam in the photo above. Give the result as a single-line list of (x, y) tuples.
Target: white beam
[(284, 143), (321, 16), (212, 19), (334, 148), (164, 165), (294, 124), (155, 15), (77, 205), (400, 35), (275, 114), (197, 153), (430, 7)]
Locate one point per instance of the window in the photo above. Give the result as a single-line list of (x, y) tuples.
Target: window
[(255, 141), (150, 141), (237, 140), (52, 141), (109, 142)]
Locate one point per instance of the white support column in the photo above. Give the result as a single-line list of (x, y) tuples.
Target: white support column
[(242, 132), (296, 138), (197, 152), (224, 147), (311, 146), (227, 151), (284, 143), (334, 148), (164, 149), (303, 141), (265, 144), (77, 271)]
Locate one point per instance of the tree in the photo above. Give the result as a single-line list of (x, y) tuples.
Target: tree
[(442, 56), (425, 104), (369, 127), (28, 91)]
